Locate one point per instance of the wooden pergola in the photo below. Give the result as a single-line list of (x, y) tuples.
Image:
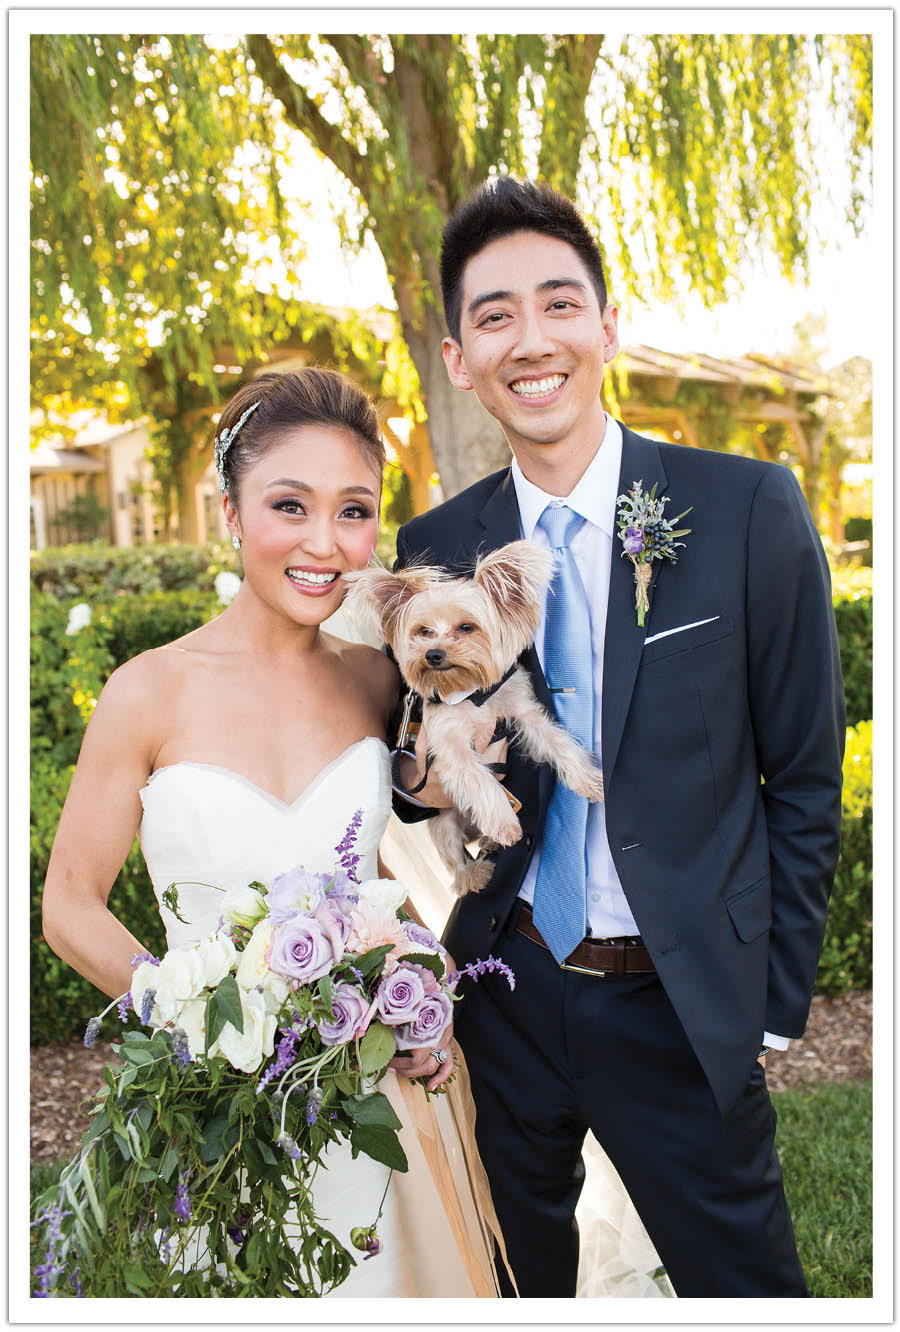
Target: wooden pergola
[(757, 390)]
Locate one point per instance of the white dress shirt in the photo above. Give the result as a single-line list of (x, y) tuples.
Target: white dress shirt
[(594, 499)]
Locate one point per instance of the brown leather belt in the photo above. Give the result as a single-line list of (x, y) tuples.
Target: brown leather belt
[(599, 957)]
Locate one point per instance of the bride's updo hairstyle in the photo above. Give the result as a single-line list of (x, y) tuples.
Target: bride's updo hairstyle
[(285, 402)]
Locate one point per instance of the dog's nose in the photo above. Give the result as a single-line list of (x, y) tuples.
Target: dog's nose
[(435, 656)]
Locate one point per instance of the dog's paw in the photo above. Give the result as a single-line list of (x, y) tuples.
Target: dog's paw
[(589, 785), (474, 877), (505, 831)]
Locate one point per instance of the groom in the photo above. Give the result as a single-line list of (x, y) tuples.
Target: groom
[(659, 940)]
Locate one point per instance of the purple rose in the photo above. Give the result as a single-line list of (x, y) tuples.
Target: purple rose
[(296, 891), (634, 540), (399, 995), (352, 1012), (433, 1016), (301, 950), (420, 934)]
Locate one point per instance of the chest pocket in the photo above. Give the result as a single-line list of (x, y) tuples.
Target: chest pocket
[(683, 640)]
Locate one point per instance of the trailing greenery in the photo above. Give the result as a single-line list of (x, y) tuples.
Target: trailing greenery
[(846, 960), (824, 1142)]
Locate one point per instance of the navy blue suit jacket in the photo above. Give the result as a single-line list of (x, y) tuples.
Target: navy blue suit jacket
[(721, 745)]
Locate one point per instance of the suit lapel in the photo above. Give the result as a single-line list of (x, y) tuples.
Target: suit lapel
[(624, 640)]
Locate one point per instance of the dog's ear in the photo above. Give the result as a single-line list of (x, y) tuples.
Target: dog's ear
[(515, 577), (377, 596)]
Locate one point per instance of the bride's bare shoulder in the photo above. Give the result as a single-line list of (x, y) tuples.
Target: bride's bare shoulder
[(371, 669), (155, 672)]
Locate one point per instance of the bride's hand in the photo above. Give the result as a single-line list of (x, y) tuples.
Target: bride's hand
[(422, 1063)]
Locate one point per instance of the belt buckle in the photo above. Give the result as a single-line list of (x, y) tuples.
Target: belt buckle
[(585, 971)]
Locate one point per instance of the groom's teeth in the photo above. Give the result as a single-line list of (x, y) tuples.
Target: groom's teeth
[(537, 388), (304, 576)]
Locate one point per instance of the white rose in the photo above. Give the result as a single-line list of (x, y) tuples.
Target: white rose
[(217, 956), (243, 906), (179, 977), (385, 894), (143, 978), (245, 1050), (79, 617), (253, 971), (192, 1020), (227, 586)]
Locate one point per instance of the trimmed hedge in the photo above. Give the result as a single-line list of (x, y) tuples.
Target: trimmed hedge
[(98, 571), (853, 616), (846, 960)]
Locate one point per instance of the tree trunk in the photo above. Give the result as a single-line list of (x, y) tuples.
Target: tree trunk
[(466, 442)]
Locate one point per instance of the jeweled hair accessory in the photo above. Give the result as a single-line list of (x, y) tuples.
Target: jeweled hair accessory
[(224, 441)]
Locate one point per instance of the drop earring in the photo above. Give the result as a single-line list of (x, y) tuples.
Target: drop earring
[(236, 541)]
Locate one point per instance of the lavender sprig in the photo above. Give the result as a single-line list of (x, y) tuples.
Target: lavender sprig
[(344, 848), (182, 1204), (477, 968), (285, 1056), (51, 1267)]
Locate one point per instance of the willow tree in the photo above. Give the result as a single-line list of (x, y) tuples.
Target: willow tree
[(688, 152)]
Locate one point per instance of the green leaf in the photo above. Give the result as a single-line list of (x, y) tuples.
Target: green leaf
[(381, 1144), (227, 998), (376, 1049), (168, 1163), (215, 1021), (368, 963), (137, 1054), (344, 1084), (325, 993), (431, 961), (136, 1279), (211, 1146), (372, 1109), (144, 1115)]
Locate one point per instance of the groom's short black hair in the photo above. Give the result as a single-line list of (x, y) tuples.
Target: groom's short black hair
[(501, 206)]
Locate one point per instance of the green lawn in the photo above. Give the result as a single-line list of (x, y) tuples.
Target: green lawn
[(825, 1145)]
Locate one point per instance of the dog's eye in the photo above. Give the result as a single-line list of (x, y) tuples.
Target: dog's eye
[(467, 628), (424, 632)]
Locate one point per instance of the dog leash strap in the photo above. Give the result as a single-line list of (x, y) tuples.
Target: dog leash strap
[(395, 772)]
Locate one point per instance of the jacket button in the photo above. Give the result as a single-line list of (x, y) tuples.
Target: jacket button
[(529, 842), (494, 923)]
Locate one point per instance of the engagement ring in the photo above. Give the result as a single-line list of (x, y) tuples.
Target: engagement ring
[(440, 1056)]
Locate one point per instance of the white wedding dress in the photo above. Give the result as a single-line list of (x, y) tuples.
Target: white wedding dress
[(207, 829)]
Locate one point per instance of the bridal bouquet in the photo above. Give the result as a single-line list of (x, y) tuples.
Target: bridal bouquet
[(195, 1176)]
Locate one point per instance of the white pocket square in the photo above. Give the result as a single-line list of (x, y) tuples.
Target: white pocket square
[(680, 630)]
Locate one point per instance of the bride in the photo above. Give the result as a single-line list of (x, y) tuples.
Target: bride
[(243, 748)]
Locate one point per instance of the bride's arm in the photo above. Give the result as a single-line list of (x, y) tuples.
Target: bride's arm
[(95, 833)]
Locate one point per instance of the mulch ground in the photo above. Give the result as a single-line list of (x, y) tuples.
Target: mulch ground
[(837, 1047)]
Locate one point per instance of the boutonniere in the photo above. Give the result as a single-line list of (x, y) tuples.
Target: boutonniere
[(646, 536)]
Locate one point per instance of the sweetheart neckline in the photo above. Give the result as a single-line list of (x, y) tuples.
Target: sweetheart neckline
[(261, 790)]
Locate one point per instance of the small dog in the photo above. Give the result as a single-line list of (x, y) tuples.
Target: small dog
[(457, 642)]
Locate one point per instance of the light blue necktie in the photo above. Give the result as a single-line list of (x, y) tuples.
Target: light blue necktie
[(559, 891)]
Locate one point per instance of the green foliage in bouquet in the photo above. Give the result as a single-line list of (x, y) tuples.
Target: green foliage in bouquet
[(846, 960)]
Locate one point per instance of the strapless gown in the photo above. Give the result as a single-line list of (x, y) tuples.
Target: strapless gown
[(208, 829)]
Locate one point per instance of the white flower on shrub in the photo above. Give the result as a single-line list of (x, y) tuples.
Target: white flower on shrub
[(79, 617), (245, 1050), (228, 585)]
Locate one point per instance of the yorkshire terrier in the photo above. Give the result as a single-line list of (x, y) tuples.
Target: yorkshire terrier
[(457, 642)]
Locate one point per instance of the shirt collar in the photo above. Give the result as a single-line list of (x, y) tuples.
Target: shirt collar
[(594, 496)]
